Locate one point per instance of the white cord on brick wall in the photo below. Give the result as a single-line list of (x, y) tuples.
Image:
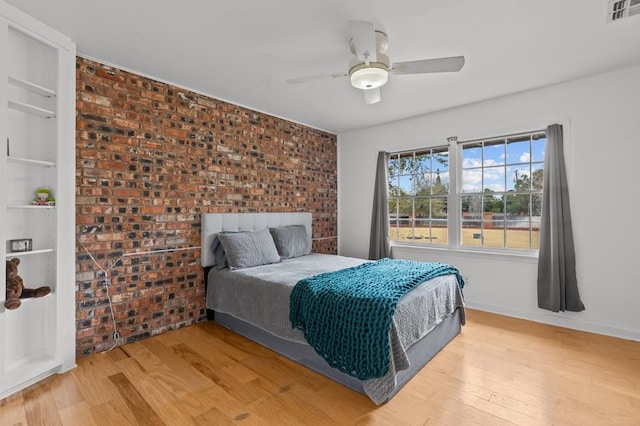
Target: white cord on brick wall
[(107, 282)]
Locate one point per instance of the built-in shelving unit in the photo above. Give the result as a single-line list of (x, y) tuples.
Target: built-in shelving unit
[(37, 91)]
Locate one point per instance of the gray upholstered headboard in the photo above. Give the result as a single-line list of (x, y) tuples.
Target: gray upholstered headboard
[(213, 223)]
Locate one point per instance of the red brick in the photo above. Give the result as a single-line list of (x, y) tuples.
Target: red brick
[(151, 158)]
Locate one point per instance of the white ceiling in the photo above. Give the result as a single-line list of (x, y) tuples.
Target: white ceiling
[(243, 51)]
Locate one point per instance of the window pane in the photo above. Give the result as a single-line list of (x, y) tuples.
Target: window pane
[(431, 232), (492, 203), (536, 206), (393, 233), (440, 231), (471, 205), (394, 166), (493, 153), (518, 150), (471, 234), (494, 179), (518, 222), (405, 233), (424, 182), (405, 209), (518, 232), (493, 237), (537, 171), (422, 232), (538, 144), (438, 207), (441, 183), (472, 155), (422, 162), (472, 180), (519, 177), (422, 208), (535, 232), (393, 202), (440, 160), (518, 205), (471, 220), (406, 185)]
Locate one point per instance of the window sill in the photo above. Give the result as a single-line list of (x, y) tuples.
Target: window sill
[(520, 256)]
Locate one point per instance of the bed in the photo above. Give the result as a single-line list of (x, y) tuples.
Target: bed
[(253, 301)]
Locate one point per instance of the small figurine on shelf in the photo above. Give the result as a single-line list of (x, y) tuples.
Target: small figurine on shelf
[(43, 197)]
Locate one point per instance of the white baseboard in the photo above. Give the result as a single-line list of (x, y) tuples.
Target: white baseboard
[(557, 320)]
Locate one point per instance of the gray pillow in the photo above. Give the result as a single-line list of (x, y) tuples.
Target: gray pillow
[(247, 249), (219, 259), (291, 241)]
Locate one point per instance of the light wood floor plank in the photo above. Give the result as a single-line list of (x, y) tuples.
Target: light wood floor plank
[(12, 410), (40, 405), (114, 412), (144, 414), (498, 371), (153, 391), (77, 414)]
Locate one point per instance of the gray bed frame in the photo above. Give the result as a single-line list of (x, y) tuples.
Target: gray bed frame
[(419, 354)]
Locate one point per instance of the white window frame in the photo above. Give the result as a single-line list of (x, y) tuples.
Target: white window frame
[(454, 220), (413, 197)]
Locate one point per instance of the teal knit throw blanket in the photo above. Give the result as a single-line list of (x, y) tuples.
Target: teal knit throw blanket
[(346, 315)]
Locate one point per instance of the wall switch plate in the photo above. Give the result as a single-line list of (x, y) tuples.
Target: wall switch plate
[(24, 244)]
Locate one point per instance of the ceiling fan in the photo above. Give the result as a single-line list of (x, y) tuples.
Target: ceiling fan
[(370, 67)]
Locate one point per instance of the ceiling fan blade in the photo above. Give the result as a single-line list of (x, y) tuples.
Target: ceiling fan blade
[(372, 96), (452, 64), (363, 40), (315, 78)]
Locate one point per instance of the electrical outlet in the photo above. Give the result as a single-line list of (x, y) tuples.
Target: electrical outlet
[(467, 280)]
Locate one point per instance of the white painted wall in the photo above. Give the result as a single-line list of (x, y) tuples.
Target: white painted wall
[(601, 118)]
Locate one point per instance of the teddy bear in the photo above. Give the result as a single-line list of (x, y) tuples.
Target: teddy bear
[(15, 287)]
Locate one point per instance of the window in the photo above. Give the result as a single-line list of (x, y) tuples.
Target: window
[(418, 196), (501, 191), (497, 204)]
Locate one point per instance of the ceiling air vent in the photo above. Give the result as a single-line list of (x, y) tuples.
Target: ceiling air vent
[(618, 9)]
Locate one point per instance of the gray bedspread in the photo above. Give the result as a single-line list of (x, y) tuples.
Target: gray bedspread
[(260, 296)]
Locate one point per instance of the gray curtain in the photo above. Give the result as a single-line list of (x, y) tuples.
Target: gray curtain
[(557, 282), (379, 242)]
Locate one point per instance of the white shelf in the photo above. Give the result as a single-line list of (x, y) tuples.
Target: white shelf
[(31, 87), (29, 206), (31, 109), (28, 253), (40, 362), (23, 303), (31, 162)]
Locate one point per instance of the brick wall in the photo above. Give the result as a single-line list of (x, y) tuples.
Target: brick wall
[(151, 158)]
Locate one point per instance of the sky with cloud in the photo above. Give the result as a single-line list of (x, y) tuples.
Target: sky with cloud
[(492, 164), (503, 164)]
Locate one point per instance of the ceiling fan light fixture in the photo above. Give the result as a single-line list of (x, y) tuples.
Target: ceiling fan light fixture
[(369, 78)]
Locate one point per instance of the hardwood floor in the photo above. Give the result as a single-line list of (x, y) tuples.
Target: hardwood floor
[(498, 371)]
